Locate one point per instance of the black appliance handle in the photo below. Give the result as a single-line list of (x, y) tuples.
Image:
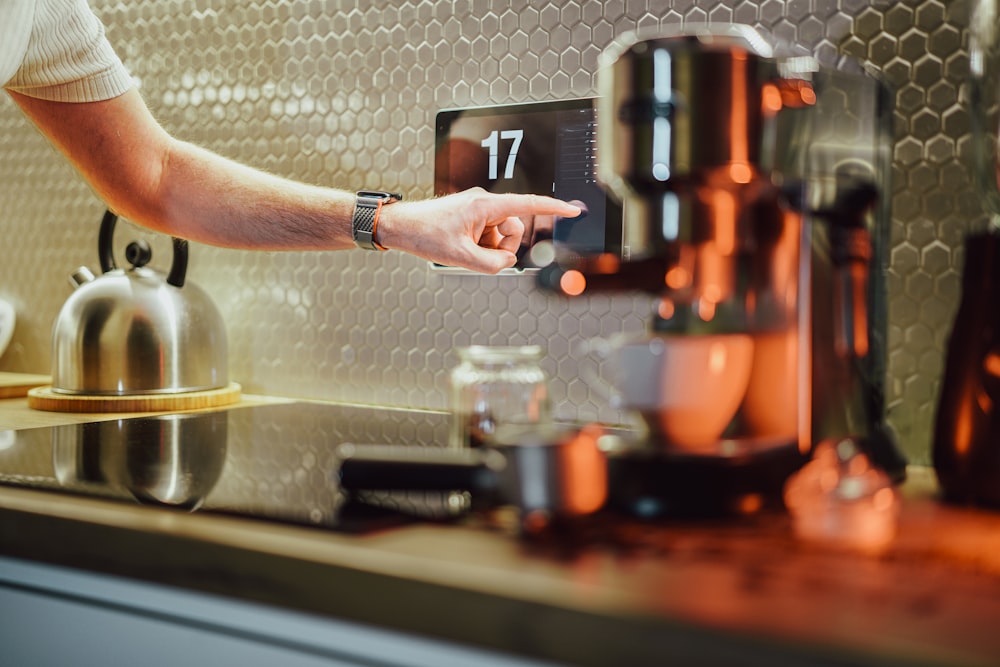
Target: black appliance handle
[(414, 468)]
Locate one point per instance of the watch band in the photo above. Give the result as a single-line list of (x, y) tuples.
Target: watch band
[(364, 223)]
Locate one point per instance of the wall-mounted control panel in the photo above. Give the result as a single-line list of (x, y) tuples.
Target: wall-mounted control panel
[(546, 148)]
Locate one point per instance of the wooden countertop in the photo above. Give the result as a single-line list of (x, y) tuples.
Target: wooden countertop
[(727, 592)]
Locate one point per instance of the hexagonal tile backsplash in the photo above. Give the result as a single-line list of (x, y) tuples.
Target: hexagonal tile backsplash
[(341, 93)]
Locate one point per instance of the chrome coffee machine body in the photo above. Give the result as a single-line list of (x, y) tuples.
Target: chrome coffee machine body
[(755, 191)]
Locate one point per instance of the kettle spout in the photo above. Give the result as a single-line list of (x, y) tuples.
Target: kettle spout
[(81, 276)]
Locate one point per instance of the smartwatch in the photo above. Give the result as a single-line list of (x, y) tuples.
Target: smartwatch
[(364, 223)]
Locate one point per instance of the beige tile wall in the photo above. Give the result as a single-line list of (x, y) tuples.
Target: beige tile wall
[(344, 93)]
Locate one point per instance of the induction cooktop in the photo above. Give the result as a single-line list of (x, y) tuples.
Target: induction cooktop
[(275, 462)]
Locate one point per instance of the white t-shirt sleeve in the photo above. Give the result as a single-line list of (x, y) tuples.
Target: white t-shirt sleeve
[(68, 57)]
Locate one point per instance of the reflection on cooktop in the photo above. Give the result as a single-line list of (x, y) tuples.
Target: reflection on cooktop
[(274, 462)]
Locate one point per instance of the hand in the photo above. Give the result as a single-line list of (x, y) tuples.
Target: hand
[(540, 228), (473, 229)]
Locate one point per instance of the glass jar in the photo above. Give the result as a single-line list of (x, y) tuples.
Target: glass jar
[(493, 386)]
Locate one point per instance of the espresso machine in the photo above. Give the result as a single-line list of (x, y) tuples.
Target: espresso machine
[(755, 189)]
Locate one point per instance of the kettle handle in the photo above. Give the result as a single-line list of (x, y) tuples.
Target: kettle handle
[(178, 269)]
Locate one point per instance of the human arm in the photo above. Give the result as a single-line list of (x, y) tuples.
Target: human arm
[(172, 186)]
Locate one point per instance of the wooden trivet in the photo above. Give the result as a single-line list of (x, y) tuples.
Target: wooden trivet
[(43, 398)]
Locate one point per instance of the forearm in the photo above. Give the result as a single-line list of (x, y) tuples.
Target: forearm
[(177, 188), (207, 198), (180, 189)]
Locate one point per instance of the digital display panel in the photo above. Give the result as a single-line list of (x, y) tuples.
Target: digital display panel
[(545, 148)]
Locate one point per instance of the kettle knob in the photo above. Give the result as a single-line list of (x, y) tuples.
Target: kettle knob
[(139, 253)]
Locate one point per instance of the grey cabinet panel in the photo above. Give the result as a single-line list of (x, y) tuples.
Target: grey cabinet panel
[(38, 630), (53, 616)]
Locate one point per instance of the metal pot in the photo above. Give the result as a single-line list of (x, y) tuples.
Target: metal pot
[(137, 331)]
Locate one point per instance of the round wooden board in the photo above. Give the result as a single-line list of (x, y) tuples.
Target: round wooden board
[(43, 398)]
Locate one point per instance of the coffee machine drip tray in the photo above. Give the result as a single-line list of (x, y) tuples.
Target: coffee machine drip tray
[(649, 482)]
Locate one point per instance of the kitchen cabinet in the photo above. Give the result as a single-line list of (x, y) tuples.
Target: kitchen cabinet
[(60, 616)]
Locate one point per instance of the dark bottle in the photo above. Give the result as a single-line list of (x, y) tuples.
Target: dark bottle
[(966, 447)]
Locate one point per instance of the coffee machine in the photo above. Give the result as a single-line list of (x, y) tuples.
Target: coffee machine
[(755, 189)]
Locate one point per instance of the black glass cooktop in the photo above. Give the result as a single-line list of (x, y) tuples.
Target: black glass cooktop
[(276, 461)]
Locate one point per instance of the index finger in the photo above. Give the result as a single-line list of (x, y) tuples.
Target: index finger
[(511, 205)]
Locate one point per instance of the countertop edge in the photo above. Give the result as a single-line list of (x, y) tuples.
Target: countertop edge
[(340, 577)]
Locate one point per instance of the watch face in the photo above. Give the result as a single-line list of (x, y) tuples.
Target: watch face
[(545, 148), (378, 195)]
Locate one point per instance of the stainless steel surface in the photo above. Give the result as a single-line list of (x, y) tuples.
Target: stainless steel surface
[(753, 207), (130, 332), (682, 104), (137, 330), (688, 143), (345, 94)]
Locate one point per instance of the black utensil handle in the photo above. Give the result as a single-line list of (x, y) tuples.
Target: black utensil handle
[(401, 468)]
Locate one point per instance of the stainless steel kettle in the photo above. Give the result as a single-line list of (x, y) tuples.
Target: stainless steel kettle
[(137, 331)]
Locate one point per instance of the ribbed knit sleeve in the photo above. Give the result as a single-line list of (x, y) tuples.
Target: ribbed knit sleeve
[(68, 58)]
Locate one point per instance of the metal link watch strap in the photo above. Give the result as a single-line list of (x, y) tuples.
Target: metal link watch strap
[(364, 223)]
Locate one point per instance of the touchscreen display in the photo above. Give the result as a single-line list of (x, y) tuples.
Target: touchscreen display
[(546, 148)]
